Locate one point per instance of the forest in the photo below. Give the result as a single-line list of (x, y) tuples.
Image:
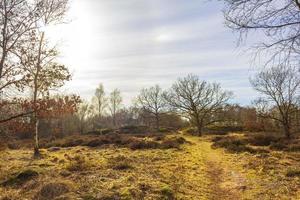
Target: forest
[(190, 140)]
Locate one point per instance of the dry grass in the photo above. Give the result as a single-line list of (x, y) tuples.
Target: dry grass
[(193, 171)]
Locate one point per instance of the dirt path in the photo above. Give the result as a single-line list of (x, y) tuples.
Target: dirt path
[(224, 181), (230, 176)]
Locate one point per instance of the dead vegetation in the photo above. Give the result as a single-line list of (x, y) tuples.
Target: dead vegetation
[(20, 178), (130, 141), (256, 143), (163, 171), (53, 191)]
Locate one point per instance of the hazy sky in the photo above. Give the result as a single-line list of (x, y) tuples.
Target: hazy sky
[(131, 44)]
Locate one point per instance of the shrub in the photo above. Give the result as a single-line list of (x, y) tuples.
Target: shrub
[(106, 131), (293, 173), (94, 132), (233, 144), (278, 146), (262, 139), (134, 129), (52, 191), (13, 145), (173, 142), (294, 147), (164, 130), (223, 130), (72, 143), (20, 178), (143, 144), (96, 142), (216, 139)]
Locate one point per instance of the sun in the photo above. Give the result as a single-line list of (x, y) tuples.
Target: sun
[(74, 38)]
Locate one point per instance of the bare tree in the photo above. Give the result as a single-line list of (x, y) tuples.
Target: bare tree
[(151, 101), (100, 100), (115, 101), (39, 59), (278, 20), (17, 19), (83, 113), (197, 100), (280, 86)]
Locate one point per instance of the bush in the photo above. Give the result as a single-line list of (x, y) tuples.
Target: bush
[(293, 173), (222, 130), (14, 145), (294, 147), (134, 129), (106, 131), (20, 178), (262, 139), (164, 130), (93, 132), (216, 139), (278, 146), (73, 143), (173, 142), (142, 144), (97, 142), (52, 191), (233, 144), (228, 128)]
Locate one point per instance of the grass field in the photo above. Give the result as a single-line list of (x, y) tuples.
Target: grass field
[(195, 170)]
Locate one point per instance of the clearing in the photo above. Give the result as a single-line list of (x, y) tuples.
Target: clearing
[(194, 171)]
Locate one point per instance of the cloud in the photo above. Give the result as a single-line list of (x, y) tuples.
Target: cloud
[(131, 44)]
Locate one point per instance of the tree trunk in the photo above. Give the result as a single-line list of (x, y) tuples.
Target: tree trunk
[(35, 97), (287, 131), (199, 128), (114, 120), (199, 124), (36, 139), (157, 122)]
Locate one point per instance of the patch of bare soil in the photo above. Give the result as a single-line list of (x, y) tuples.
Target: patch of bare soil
[(224, 184)]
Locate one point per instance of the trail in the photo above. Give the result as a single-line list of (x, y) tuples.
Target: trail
[(222, 181)]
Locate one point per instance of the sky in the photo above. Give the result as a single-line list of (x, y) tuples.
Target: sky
[(131, 44)]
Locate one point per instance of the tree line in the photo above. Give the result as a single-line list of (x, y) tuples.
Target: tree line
[(30, 72), (201, 104)]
